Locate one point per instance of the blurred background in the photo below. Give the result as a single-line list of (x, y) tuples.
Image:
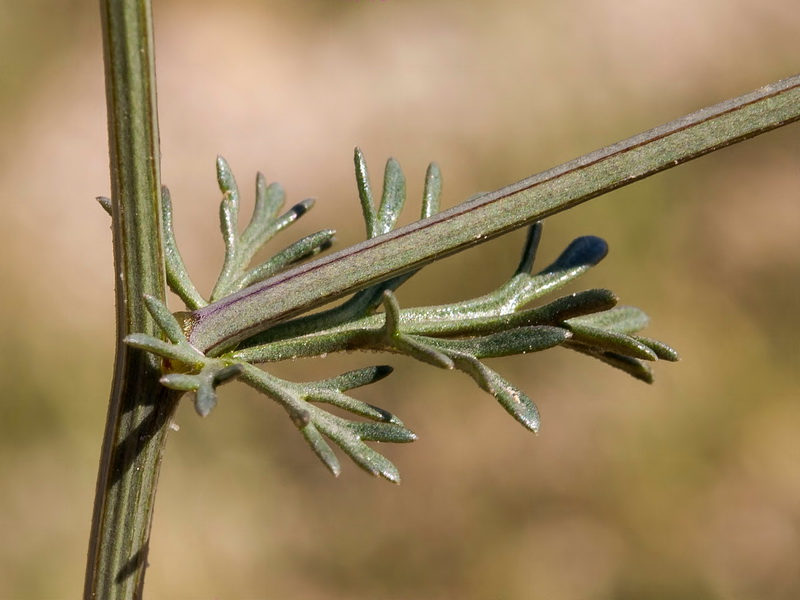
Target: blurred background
[(689, 488)]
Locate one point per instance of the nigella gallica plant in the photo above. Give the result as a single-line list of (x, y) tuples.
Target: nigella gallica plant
[(510, 320)]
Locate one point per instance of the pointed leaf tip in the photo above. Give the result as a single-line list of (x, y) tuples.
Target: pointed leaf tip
[(582, 254), (662, 350), (431, 195), (394, 196), (516, 403), (225, 178), (181, 381), (322, 449), (382, 371), (205, 400)]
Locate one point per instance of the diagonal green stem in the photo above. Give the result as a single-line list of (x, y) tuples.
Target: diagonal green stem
[(139, 407), (224, 323)]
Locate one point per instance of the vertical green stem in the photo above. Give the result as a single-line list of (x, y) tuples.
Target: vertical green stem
[(139, 408)]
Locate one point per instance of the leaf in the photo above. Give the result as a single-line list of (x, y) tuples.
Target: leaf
[(205, 399), (382, 432), (321, 448), (431, 195), (610, 341), (406, 344), (662, 350), (292, 215), (300, 250), (315, 422), (338, 431), (622, 319), (357, 378), (633, 367), (329, 391), (512, 399), (177, 276), (229, 206), (165, 319), (580, 256), (180, 381), (269, 199), (225, 178), (506, 343), (532, 239), (182, 353), (350, 404), (394, 196), (457, 335), (365, 194), (418, 348), (568, 307), (226, 373)]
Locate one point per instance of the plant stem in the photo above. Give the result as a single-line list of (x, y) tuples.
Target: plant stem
[(139, 408), (223, 324)]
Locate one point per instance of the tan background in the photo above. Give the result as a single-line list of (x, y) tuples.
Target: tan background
[(686, 489)]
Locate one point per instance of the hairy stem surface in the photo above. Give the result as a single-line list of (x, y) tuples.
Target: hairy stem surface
[(140, 408), (222, 324)]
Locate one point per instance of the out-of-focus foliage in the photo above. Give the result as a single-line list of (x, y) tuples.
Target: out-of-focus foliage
[(688, 488)]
